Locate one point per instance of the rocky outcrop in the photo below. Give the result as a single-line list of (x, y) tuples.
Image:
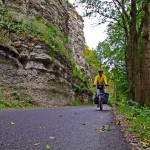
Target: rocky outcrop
[(29, 66), (77, 40), (35, 73), (53, 11)]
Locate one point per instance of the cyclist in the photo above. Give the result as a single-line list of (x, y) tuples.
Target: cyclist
[(100, 82)]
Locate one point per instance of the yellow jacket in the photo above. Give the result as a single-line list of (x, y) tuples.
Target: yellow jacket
[(100, 80)]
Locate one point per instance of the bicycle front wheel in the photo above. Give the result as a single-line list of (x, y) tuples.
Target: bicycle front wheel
[(101, 104)]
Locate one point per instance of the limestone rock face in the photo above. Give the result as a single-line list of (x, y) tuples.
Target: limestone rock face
[(53, 11), (30, 67), (77, 39), (34, 73)]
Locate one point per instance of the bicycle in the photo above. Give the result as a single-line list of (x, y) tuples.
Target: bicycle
[(100, 100), (101, 96)]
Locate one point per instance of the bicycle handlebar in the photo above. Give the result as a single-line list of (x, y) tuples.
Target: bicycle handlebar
[(100, 85)]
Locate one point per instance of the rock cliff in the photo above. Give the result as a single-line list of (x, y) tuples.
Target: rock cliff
[(29, 65)]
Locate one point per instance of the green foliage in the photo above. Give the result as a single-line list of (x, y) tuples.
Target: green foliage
[(119, 81), (69, 4), (84, 84), (138, 118), (3, 102), (80, 88), (10, 24), (16, 94), (112, 56), (29, 99), (111, 98), (1, 12), (13, 100), (92, 58), (112, 53), (51, 36), (78, 73), (4, 37), (74, 102)]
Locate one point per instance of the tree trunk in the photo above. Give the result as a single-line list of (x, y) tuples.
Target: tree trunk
[(146, 58), (129, 66), (135, 54)]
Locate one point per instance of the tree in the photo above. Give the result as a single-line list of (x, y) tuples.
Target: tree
[(112, 57), (128, 14)]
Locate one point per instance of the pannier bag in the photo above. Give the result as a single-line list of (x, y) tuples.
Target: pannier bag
[(105, 100)]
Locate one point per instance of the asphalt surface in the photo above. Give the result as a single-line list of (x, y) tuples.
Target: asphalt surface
[(69, 128)]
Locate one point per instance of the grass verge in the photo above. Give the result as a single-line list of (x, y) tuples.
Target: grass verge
[(137, 123)]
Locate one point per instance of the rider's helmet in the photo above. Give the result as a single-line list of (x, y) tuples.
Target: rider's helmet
[(100, 70)]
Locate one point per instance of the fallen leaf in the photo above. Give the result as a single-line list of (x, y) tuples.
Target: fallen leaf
[(144, 143), (83, 123), (118, 122), (48, 147), (36, 144), (104, 128), (12, 123), (52, 138), (42, 127)]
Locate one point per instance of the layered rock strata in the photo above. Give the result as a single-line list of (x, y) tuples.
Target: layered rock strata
[(29, 66)]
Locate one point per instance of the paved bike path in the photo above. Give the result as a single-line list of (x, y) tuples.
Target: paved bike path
[(69, 128)]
